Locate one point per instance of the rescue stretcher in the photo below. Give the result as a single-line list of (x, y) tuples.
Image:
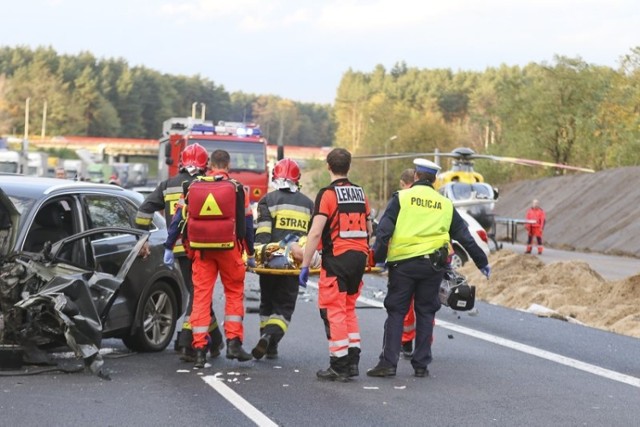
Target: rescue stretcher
[(283, 258), (296, 271)]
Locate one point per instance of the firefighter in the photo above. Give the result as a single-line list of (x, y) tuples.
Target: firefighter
[(215, 223), (536, 215), (165, 197), (413, 237), (342, 224), (281, 213)]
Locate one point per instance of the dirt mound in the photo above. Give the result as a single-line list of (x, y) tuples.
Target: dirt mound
[(570, 288)]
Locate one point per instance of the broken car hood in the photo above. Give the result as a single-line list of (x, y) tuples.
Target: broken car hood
[(44, 300)]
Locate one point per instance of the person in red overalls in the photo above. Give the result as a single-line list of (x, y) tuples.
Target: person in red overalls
[(535, 213), (216, 225), (409, 325), (341, 224)]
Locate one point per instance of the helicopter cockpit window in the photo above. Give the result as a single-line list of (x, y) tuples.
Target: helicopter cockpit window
[(463, 191)]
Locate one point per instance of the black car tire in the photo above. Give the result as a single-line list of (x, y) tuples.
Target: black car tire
[(157, 319)]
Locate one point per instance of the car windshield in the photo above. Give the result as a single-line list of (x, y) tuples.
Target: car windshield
[(244, 155), (22, 204)]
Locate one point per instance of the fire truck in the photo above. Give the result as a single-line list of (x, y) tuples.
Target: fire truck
[(243, 142)]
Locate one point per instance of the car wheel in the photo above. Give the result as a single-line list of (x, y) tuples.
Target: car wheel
[(158, 314), (458, 259)]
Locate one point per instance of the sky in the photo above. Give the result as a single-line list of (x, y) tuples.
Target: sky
[(300, 49)]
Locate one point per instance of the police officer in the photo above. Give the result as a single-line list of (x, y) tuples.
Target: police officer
[(166, 196), (413, 237), (281, 213)]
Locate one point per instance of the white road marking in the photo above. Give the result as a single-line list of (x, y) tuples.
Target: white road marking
[(554, 357), (238, 401)]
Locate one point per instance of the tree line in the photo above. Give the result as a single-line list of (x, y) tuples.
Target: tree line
[(87, 96), (566, 111)]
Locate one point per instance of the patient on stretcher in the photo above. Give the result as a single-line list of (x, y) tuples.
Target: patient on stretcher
[(285, 255)]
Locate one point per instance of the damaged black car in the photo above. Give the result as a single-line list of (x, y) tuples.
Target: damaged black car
[(74, 271)]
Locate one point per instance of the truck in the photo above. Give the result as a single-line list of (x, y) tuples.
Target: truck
[(38, 164), (243, 141), (74, 169), (9, 161)]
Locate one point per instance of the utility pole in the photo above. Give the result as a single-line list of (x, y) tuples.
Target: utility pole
[(44, 121), (384, 166), (25, 141)]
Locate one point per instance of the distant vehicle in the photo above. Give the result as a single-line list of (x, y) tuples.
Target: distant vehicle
[(145, 191), (139, 174), (243, 141), (81, 236), (38, 164), (75, 169), (9, 161)]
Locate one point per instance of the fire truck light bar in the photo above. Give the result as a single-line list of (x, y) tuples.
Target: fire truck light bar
[(238, 129)]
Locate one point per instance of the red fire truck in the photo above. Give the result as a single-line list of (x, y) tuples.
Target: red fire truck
[(243, 142)]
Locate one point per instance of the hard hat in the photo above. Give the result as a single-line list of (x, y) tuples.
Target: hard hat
[(426, 166), (286, 169), (194, 156)]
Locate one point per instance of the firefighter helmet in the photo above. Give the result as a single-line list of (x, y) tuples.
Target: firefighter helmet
[(286, 175), (287, 169), (193, 157)]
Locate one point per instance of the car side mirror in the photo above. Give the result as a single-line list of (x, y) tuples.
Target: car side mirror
[(495, 193)]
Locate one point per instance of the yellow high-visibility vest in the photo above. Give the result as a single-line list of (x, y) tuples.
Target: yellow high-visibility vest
[(423, 223)]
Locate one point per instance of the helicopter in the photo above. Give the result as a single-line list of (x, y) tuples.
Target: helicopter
[(467, 188)]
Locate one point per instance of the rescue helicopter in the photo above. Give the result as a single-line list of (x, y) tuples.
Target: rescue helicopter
[(467, 188)]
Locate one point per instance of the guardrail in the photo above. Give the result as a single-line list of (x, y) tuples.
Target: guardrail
[(512, 226)]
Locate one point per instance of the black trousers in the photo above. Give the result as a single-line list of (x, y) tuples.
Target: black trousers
[(278, 296), (420, 280)]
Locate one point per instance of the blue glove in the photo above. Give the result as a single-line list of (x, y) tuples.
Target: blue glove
[(486, 270), (169, 257), (251, 261), (304, 276)]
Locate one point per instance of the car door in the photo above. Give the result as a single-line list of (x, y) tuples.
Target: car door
[(109, 249)]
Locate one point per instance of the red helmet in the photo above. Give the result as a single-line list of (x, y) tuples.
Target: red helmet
[(194, 155), (287, 169)]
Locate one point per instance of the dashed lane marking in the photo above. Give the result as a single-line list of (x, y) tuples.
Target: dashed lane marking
[(238, 401)]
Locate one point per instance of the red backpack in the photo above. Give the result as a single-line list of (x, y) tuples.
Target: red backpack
[(211, 213)]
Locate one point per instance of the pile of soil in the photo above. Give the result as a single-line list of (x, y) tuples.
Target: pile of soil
[(571, 289)]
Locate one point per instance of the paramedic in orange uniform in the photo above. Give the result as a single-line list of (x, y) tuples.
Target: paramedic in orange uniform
[(341, 224), (222, 256)]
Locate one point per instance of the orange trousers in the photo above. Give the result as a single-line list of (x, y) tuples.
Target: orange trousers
[(338, 311), (409, 325), (206, 266)]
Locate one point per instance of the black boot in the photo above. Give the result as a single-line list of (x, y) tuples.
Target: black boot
[(261, 348), (354, 359), (235, 350), (272, 350), (338, 370), (187, 353), (217, 343), (200, 357)]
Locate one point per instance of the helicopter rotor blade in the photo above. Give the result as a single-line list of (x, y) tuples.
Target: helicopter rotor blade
[(529, 162)]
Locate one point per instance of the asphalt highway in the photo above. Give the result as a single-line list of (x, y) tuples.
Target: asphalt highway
[(497, 367)]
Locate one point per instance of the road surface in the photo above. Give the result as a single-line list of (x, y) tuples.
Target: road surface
[(500, 367)]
